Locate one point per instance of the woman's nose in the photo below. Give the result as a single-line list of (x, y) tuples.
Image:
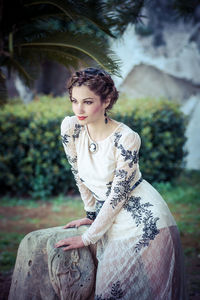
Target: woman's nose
[(80, 108)]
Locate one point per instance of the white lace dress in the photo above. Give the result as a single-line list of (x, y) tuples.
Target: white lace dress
[(138, 246)]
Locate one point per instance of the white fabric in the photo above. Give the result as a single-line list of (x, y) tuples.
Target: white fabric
[(138, 246)]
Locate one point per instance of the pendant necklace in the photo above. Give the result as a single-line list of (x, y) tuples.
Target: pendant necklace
[(93, 146)]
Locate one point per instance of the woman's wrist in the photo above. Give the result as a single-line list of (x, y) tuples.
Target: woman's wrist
[(86, 242)]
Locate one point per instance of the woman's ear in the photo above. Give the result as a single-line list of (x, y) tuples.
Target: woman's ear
[(107, 102)]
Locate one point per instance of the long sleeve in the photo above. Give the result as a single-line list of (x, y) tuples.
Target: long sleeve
[(70, 131), (127, 176)]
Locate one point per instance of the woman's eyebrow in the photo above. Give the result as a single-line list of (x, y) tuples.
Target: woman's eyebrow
[(84, 98)]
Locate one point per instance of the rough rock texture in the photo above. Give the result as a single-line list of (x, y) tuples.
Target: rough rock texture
[(148, 81), (169, 70), (192, 109), (43, 272)]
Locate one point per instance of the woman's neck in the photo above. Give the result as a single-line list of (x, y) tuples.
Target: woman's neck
[(99, 130)]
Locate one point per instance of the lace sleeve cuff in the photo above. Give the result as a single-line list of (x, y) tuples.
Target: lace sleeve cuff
[(90, 215)]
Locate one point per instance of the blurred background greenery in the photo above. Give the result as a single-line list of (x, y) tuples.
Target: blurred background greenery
[(32, 160)]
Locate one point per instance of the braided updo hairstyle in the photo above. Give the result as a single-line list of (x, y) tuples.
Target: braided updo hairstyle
[(98, 81)]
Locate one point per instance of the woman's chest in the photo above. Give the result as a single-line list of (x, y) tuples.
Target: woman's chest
[(96, 167)]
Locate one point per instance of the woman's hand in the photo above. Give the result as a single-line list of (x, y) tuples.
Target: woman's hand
[(70, 243), (77, 223)]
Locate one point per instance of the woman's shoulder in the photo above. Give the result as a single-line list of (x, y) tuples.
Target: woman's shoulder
[(69, 124), (126, 135)]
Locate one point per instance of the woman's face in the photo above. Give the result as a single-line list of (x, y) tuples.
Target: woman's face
[(86, 105)]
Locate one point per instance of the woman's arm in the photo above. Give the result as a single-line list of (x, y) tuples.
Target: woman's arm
[(68, 135), (127, 177)]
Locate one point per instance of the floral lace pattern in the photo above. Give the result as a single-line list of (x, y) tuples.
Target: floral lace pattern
[(109, 186), (98, 206), (77, 131), (116, 293), (142, 214), (65, 139), (127, 154), (122, 187), (90, 215)]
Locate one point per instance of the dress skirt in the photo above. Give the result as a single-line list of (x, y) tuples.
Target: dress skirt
[(140, 256)]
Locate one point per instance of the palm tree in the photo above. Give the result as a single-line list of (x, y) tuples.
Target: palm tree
[(34, 30), (71, 32)]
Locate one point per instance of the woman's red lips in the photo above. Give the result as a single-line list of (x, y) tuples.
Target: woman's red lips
[(82, 118)]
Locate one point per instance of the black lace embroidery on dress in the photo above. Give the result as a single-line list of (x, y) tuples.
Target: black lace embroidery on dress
[(121, 173), (127, 154), (90, 215), (72, 161), (98, 206), (117, 138), (65, 139), (116, 293), (77, 131), (142, 214), (122, 187), (109, 185), (74, 172)]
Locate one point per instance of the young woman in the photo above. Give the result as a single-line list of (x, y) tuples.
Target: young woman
[(138, 245)]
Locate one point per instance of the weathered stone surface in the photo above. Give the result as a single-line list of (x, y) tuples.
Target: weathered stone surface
[(43, 272)]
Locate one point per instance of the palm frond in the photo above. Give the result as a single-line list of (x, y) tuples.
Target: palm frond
[(64, 6), (59, 55), (27, 78), (78, 10), (3, 90), (90, 46)]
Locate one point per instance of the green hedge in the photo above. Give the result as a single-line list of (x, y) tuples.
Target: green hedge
[(32, 159)]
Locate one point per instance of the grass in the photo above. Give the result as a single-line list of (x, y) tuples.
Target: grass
[(182, 197), (25, 215), (9, 243), (7, 201)]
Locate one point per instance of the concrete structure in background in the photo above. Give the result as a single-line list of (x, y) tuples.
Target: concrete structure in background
[(171, 70), (148, 81), (192, 109)]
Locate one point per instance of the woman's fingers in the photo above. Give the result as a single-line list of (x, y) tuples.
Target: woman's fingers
[(70, 247), (70, 243), (78, 223), (70, 225), (62, 243)]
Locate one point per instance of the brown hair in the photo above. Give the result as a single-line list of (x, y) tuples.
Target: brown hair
[(98, 81)]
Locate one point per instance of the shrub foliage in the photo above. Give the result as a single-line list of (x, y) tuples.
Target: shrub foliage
[(32, 159)]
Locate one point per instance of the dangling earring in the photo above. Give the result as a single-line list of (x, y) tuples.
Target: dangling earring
[(106, 119)]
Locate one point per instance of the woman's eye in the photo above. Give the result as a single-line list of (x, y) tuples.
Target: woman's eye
[(88, 102), (72, 100)]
